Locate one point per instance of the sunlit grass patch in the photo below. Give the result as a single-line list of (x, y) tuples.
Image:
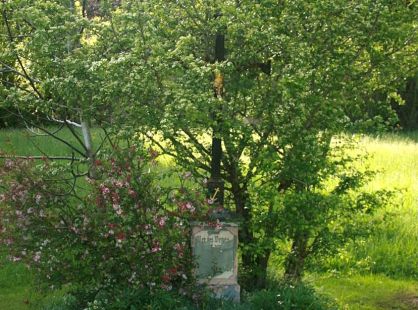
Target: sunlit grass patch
[(367, 292), (394, 248)]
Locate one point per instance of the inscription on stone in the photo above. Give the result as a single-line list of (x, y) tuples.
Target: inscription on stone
[(215, 254)]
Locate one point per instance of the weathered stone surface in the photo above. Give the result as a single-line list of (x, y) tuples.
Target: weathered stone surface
[(228, 292), (215, 253)]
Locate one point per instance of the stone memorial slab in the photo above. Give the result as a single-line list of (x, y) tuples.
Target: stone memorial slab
[(215, 254)]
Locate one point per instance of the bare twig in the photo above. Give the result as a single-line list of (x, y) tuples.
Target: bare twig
[(66, 121), (37, 134), (75, 135), (31, 157)]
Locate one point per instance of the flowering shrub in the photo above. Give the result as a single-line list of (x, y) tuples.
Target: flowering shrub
[(117, 231)]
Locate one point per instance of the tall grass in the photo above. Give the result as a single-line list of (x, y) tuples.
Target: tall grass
[(393, 248)]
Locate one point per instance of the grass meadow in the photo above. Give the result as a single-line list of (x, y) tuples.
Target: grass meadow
[(380, 272)]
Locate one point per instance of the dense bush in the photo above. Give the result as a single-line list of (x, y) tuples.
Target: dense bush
[(10, 117), (288, 296), (280, 296), (98, 236)]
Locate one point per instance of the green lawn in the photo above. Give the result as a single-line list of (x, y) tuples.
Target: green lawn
[(368, 292), (15, 286), (23, 142), (378, 273)]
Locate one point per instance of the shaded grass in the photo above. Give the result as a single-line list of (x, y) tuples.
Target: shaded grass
[(16, 286)]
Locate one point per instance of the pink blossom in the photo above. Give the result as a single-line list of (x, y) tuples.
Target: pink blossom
[(132, 193), (105, 190), (190, 207), (119, 184), (155, 249), (19, 194), (121, 236), (16, 258), (117, 209), (179, 248), (37, 257), (115, 198), (161, 222)]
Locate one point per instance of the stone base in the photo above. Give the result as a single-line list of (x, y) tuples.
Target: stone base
[(228, 292)]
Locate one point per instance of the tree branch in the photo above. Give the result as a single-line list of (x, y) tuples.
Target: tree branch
[(26, 75), (31, 157)]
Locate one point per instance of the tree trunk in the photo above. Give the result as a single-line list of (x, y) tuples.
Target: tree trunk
[(254, 264), (88, 143), (295, 261), (254, 270)]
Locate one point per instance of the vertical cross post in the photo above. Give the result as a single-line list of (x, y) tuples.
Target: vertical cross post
[(215, 183)]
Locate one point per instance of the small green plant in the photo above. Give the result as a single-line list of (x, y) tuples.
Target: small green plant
[(64, 302), (290, 296)]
